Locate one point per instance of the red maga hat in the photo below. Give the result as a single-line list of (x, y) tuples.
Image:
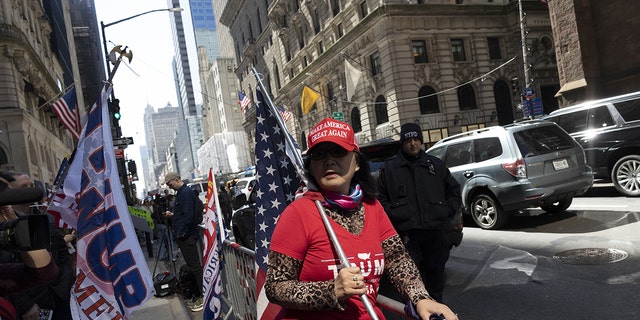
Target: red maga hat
[(331, 130)]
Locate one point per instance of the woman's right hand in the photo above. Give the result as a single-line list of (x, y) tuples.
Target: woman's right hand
[(349, 282)]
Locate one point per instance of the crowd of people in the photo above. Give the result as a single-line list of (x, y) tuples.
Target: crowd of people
[(394, 229)]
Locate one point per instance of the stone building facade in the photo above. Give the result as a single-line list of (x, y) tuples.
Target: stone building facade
[(32, 139), (450, 66), (596, 48)]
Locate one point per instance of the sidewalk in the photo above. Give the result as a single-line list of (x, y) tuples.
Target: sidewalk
[(167, 307)]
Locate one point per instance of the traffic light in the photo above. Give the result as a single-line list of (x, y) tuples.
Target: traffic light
[(133, 170), (515, 86), (116, 108)]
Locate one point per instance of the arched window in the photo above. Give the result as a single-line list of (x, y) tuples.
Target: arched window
[(467, 98), (504, 105), (381, 110), (428, 100), (355, 120), (3, 157)]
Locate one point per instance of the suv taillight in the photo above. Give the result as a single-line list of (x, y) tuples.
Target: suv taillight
[(516, 169)]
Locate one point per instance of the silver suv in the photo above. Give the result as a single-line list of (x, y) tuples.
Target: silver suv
[(505, 169)]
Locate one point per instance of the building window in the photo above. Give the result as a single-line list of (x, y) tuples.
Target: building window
[(457, 48), (374, 59), (428, 101), (320, 47), (494, 48), (340, 30), (364, 10), (315, 20), (355, 120), (467, 98), (381, 110), (419, 51), (335, 7)]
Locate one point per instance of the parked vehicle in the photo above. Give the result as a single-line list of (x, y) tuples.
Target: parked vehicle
[(609, 132), (246, 185), (505, 169), (243, 220), (201, 188)]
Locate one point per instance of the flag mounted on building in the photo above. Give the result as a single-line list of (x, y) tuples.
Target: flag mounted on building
[(277, 183), (309, 97), (286, 115), (244, 102), (66, 108), (112, 276), (212, 264), (352, 76)]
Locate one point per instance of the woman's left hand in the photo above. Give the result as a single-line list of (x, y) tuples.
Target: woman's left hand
[(349, 282), (427, 307)]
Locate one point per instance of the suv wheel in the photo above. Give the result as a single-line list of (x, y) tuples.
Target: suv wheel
[(487, 212), (557, 207), (626, 175)]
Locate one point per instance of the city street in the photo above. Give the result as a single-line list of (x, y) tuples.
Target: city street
[(512, 273)]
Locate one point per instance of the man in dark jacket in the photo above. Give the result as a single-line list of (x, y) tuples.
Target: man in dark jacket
[(185, 230), (421, 197)]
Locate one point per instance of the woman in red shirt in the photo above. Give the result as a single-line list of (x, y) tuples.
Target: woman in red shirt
[(304, 273)]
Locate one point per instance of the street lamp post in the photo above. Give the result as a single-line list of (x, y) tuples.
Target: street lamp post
[(104, 37), (120, 162)]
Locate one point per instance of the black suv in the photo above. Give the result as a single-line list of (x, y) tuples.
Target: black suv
[(609, 132)]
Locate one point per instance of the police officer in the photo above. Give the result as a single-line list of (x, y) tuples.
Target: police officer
[(421, 197)]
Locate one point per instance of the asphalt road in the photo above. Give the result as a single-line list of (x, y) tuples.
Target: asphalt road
[(513, 274)]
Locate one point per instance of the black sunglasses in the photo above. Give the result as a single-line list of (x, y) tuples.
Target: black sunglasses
[(334, 152)]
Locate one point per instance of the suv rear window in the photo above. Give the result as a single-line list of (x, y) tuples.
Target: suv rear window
[(629, 110), (487, 148), (542, 140)]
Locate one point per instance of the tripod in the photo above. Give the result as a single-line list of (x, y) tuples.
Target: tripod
[(165, 237)]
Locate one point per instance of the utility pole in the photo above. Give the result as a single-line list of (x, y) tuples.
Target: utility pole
[(524, 102)]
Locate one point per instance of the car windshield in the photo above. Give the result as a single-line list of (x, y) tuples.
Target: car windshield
[(542, 140), (241, 184)]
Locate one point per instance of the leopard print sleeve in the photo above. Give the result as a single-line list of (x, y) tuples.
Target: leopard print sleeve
[(283, 287), (402, 271)]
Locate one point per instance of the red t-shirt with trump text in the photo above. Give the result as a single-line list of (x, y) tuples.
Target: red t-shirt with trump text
[(301, 234)]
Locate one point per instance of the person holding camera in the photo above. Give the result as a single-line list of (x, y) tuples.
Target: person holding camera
[(36, 267), (56, 295), (185, 222)]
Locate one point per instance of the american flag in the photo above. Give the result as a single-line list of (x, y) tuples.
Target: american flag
[(286, 115), (277, 183), (211, 275), (56, 198), (112, 276), (66, 108), (244, 102)]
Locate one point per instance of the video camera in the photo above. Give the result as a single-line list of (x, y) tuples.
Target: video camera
[(29, 232)]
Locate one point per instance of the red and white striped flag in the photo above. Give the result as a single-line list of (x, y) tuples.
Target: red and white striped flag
[(244, 102), (66, 108)]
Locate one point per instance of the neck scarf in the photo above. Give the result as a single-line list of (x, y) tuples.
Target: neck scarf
[(345, 201)]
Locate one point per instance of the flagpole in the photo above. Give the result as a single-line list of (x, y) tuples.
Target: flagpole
[(57, 96), (300, 164), (63, 174)]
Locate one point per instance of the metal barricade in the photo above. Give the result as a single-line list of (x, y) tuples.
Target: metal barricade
[(240, 280), (240, 284)]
